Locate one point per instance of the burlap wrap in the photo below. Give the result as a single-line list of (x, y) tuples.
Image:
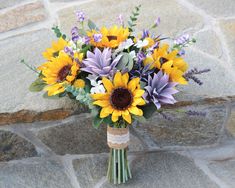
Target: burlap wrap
[(118, 138)]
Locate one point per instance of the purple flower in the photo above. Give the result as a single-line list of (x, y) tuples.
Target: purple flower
[(160, 90), (100, 63), (75, 34), (120, 19), (141, 56), (97, 37), (69, 51), (80, 16), (157, 22), (142, 72), (87, 40), (145, 33), (181, 52), (183, 39)]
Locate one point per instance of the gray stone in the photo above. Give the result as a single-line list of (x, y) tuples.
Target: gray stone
[(165, 170), (184, 130), (90, 170), (16, 78), (76, 135), (22, 15), (231, 123), (216, 8), (224, 170), (36, 172), (150, 10), (14, 147), (228, 28), (216, 83), (9, 3), (208, 42)]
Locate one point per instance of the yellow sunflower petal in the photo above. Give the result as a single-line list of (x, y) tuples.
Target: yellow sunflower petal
[(126, 116), (100, 96), (117, 81), (114, 118), (103, 113), (136, 111), (133, 84), (101, 103), (125, 79), (107, 84), (138, 93)]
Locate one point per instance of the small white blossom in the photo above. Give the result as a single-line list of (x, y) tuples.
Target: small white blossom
[(142, 43), (97, 87), (132, 54)]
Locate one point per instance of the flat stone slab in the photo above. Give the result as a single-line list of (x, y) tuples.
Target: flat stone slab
[(184, 130), (225, 171), (14, 147), (34, 172), (217, 8), (15, 95), (9, 3), (76, 135), (158, 169), (108, 12), (22, 15)]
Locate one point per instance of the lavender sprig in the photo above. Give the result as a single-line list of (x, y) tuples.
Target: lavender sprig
[(166, 116), (190, 75)]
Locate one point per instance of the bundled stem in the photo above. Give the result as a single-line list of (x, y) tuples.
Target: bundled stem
[(118, 169)]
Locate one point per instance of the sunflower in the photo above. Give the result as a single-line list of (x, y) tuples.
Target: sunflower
[(110, 38), (121, 99), (55, 49), (57, 72), (174, 66)]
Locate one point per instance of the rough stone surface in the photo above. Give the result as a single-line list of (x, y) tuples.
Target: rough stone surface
[(9, 3), (90, 170), (228, 28), (150, 10), (35, 172), (184, 130), (76, 135), (225, 171), (209, 42), (14, 147), (231, 123), (165, 170), (216, 8), (216, 83), (21, 16), (16, 78)]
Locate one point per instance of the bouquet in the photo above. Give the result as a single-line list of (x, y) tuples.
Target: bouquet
[(121, 75)]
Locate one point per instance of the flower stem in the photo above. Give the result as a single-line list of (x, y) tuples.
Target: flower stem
[(118, 168)]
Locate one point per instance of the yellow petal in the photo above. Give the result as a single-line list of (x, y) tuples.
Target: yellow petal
[(100, 96), (133, 84), (103, 114), (126, 116), (114, 118), (107, 84), (125, 79), (138, 93), (117, 81), (134, 110), (102, 103), (138, 101)]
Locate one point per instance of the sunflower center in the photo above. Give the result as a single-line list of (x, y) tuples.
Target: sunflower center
[(121, 98), (111, 37), (64, 72), (163, 60)]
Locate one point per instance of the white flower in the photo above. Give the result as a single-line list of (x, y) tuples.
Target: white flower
[(125, 45), (142, 43), (97, 87), (72, 45)]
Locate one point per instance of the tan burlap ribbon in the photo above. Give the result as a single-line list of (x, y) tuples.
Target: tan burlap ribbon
[(118, 138)]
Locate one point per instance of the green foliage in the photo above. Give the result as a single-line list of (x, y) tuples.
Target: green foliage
[(45, 96), (140, 119), (148, 110), (92, 25), (126, 61), (58, 32), (133, 18), (37, 85), (31, 67)]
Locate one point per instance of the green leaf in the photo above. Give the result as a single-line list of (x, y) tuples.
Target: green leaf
[(82, 32), (149, 110), (97, 122), (92, 25), (45, 96), (108, 120), (37, 85)]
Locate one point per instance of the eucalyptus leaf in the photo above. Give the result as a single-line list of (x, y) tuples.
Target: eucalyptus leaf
[(92, 25), (97, 122), (37, 85)]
